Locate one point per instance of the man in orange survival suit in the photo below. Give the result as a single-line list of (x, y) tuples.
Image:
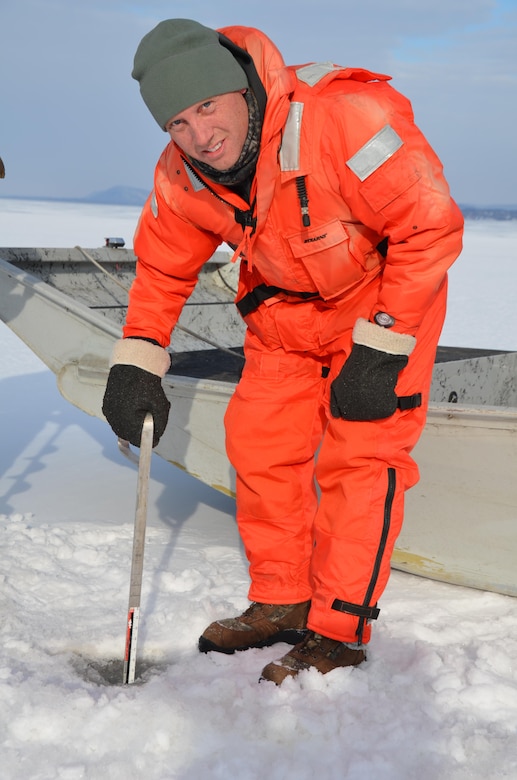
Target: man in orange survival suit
[(337, 206)]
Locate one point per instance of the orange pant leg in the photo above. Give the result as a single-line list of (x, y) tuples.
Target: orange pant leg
[(363, 471), (274, 425)]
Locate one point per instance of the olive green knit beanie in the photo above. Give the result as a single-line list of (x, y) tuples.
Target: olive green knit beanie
[(181, 62)]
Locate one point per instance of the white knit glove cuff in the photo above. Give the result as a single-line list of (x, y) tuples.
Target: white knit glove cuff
[(374, 336), (143, 354)]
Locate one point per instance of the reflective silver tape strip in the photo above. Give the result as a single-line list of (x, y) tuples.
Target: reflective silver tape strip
[(196, 183), (311, 74), (375, 152), (154, 205), (290, 149)]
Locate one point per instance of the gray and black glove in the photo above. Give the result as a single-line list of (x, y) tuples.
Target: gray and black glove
[(365, 387), (134, 388)]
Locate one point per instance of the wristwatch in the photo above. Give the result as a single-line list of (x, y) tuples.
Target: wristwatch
[(384, 320)]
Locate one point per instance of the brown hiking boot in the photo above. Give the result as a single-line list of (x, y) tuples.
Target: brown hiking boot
[(315, 651), (260, 626)]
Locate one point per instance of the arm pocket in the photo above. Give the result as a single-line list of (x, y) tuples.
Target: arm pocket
[(390, 181)]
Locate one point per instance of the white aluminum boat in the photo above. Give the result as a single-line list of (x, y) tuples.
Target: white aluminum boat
[(68, 306)]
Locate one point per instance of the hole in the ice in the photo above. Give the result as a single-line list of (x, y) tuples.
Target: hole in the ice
[(103, 671)]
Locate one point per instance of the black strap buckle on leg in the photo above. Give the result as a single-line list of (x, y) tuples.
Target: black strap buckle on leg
[(409, 401), (368, 613), (362, 612)]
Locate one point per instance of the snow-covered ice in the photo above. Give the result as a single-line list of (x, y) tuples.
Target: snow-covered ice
[(62, 224), (437, 699)]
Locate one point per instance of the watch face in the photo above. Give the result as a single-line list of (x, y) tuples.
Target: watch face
[(384, 320)]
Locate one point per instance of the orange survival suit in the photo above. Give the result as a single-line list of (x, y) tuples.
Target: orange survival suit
[(349, 215)]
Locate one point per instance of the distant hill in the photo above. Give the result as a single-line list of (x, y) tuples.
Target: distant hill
[(114, 196), (119, 196), (501, 213)]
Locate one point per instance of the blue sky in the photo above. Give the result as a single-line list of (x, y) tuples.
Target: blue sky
[(72, 120)]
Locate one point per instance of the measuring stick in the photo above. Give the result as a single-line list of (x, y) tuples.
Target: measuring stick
[(137, 563)]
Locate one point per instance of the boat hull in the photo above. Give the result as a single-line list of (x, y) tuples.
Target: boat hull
[(461, 518)]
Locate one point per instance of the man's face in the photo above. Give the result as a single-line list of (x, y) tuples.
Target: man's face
[(213, 131)]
